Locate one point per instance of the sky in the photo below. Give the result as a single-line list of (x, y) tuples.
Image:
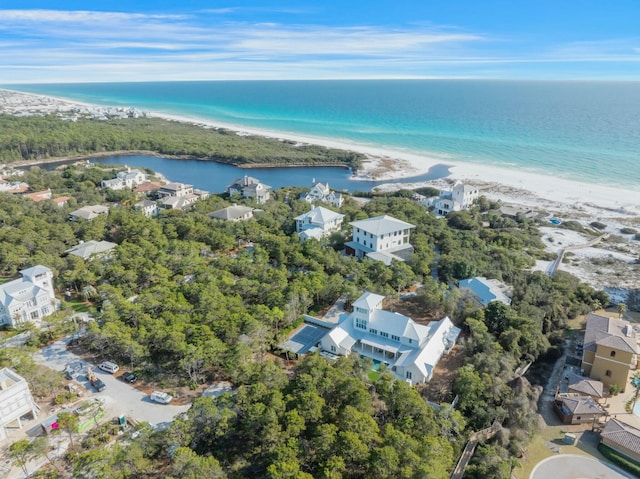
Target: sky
[(44, 41)]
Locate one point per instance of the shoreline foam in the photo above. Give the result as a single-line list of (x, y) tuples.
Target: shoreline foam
[(388, 164)]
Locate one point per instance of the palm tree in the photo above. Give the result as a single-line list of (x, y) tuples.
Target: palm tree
[(622, 307), (635, 382)]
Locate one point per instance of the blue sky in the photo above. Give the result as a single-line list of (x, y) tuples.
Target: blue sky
[(141, 40)]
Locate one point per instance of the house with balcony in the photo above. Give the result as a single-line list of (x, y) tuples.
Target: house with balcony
[(410, 350), (318, 223), (459, 197), (381, 238), (125, 179), (320, 192), (610, 350), (28, 298), (15, 401), (147, 207), (250, 187)]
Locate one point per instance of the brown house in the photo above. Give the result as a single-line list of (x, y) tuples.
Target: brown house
[(576, 409), (584, 386), (610, 350), (622, 437)]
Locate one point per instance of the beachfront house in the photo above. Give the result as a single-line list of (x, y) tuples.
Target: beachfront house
[(458, 198), (125, 179), (410, 350), (250, 187), (15, 401), (382, 238), (233, 213), (28, 298), (317, 223), (88, 213), (610, 350), (320, 192), (484, 290)]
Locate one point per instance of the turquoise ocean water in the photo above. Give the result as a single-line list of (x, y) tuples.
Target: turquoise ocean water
[(584, 131)]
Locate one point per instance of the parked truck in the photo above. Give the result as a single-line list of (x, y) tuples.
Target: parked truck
[(95, 381)]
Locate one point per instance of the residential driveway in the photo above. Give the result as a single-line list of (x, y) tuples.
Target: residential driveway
[(570, 466), (120, 397)]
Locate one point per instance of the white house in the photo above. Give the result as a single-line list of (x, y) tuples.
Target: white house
[(460, 197), (15, 400), (28, 298), (411, 351), (149, 208), (382, 238), (250, 187), (320, 192), (486, 290), (175, 189), (88, 212), (181, 202), (125, 179), (318, 222)]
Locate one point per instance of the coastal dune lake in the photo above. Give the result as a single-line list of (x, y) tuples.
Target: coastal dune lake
[(215, 177)]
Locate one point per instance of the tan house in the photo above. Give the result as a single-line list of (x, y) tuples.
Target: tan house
[(610, 350), (577, 409), (623, 438)]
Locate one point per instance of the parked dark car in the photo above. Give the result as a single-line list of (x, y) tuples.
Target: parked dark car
[(129, 377), (98, 384)]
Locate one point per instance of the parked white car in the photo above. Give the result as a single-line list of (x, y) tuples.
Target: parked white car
[(159, 396), (109, 367)]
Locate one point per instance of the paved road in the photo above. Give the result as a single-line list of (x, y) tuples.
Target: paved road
[(120, 397), (570, 466)]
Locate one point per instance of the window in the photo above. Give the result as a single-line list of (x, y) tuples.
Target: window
[(384, 335), (410, 341), (613, 354), (373, 331), (395, 338), (333, 348), (608, 373), (361, 324), (34, 315), (45, 309), (409, 375), (361, 310)]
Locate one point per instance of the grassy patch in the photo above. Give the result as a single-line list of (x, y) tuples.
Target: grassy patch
[(373, 376), (80, 305)]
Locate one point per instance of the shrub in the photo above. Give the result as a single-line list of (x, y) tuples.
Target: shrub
[(619, 460), (597, 225), (628, 231)]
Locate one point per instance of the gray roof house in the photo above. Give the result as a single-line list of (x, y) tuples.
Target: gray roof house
[(86, 250), (88, 212), (233, 213), (486, 290), (317, 223), (577, 409), (250, 187), (381, 238)]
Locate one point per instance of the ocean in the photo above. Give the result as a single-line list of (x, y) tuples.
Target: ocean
[(579, 130)]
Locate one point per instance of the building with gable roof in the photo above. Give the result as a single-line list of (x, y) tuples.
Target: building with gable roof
[(28, 298), (15, 400), (622, 437), (577, 409), (410, 350), (584, 386), (92, 248), (459, 198), (317, 223), (125, 179), (88, 213), (233, 213), (250, 187), (381, 238), (322, 193), (610, 350), (149, 208), (486, 290)]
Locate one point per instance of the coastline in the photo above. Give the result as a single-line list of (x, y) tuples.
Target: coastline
[(516, 186)]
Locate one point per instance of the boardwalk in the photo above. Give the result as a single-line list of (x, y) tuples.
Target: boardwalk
[(555, 264), (470, 447)]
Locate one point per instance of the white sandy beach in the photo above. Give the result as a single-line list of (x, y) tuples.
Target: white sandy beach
[(559, 197)]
